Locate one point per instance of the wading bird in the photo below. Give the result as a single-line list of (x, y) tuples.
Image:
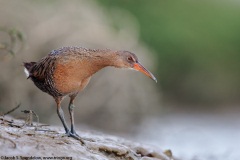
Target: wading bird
[(67, 71)]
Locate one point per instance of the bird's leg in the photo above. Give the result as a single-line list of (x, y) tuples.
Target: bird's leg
[(73, 133), (71, 112), (61, 114)]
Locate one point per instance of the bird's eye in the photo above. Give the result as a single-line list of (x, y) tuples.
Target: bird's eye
[(130, 59)]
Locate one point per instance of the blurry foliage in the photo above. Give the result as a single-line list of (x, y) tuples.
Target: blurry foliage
[(115, 106), (196, 45), (13, 43)]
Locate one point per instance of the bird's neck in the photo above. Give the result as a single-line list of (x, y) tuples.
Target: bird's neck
[(105, 58), (101, 59)]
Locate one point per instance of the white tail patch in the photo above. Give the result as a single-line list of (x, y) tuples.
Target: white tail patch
[(26, 72)]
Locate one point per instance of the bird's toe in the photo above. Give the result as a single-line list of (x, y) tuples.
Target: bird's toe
[(75, 136)]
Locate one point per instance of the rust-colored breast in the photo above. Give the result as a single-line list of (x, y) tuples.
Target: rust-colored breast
[(70, 76)]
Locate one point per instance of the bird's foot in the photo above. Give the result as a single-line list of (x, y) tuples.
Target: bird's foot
[(75, 136), (74, 132)]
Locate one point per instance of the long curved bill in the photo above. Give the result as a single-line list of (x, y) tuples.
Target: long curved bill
[(137, 66)]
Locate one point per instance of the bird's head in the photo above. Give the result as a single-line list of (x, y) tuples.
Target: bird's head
[(126, 59)]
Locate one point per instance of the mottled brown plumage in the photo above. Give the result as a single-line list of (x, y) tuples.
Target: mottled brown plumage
[(68, 70)]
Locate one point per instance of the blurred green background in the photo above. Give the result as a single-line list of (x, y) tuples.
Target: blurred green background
[(196, 47)]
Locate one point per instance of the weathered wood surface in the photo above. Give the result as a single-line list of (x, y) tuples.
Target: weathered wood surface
[(19, 140)]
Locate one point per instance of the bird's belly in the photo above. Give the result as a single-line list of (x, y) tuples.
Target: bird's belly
[(69, 80), (69, 85)]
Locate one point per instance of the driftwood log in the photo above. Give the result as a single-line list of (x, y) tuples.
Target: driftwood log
[(18, 140)]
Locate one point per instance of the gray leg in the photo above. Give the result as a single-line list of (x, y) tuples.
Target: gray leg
[(71, 112), (61, 114)]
